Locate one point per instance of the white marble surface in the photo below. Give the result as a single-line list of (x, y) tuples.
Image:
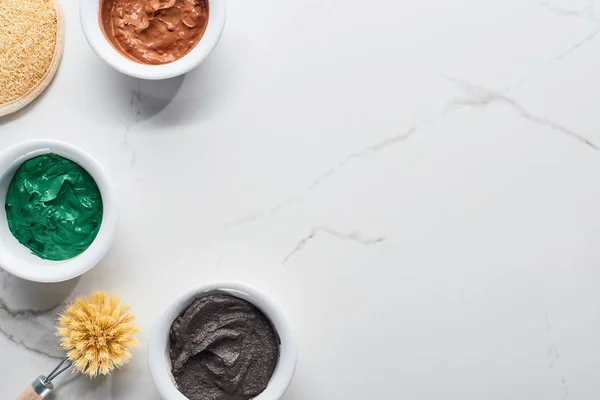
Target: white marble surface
[(417, 182)]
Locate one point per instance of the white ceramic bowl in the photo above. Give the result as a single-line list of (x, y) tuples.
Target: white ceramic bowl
[(89, 11), (18, 259), (158, 349)]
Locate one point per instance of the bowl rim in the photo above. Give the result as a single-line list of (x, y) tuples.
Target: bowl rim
[(89, 12), (158, 344), (39, 270)]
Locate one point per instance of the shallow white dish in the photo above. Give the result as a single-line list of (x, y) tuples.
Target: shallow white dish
[(89, 11), (159, 361), (18, 259)]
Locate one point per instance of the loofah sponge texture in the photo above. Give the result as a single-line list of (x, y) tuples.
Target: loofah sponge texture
[(28, 39)]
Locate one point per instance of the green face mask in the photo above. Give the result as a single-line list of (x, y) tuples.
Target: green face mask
[(53, 207)]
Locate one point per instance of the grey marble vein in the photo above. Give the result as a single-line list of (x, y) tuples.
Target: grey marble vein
[(135, 103), (353, 236), (31, 329), (478, 96), (259, 214), (25, 313), (136, 100), (573, 11), (567, 12), (32, 326), (554, 358), (577, 45), (26, 347)]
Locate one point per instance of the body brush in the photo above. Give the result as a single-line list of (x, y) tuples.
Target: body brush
[(97, 332)]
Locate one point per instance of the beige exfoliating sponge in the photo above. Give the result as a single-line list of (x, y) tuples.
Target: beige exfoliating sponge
[(31, 47)]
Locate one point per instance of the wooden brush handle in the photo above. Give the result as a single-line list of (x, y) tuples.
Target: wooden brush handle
[(29, 394)]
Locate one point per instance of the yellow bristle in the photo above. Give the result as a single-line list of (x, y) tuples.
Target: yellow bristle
[(97, 333)]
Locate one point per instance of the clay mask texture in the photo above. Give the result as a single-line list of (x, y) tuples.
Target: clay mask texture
[(154, 31), (53, 207), (223, 348)]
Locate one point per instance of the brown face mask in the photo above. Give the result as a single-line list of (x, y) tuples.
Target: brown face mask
[(154, 31)]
